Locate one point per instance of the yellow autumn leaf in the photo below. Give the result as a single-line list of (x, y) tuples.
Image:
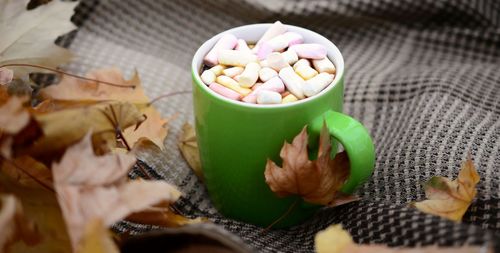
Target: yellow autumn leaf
[(335, 239), (450, 199), (97, 239), (189, 149)]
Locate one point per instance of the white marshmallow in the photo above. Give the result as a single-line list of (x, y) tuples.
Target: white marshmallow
[(290, 56), (236, 58), (208, 77), (217, 69), (250, 75), (227, 41), (274, 84), (232, 72), (275, 44), (306, 72), (267, 73), (324, 65), (316, 84), (242, 46), (264, 63), (276, 61), (268, 97), (301, 62), (293, 82)]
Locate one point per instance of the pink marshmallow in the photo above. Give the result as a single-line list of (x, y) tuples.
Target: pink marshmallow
[(274, 84), (310, 51), (225, 92), (264, 50), (227, 41), (293, 38)]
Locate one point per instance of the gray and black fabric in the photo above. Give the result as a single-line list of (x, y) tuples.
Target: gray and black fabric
[(423, 76)]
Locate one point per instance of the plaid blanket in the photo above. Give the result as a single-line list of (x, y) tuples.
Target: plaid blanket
[(422, 76)]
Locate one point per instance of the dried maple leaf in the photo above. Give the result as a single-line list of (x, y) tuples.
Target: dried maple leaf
[(28, 35), (40, 205), (90, 187), (450, 199), (28, 172), (335, 239), (97, 239), (315, 181), (154, 128), (189, 149), (14, 224), (65, 127)]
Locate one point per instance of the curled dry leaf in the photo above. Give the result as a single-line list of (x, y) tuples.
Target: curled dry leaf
[(28, 35), (189, 149), (90, 187), (450, 199), (97, 239), (162, 216), (315, 181), (14, 224), (154, 128), (335, 239)]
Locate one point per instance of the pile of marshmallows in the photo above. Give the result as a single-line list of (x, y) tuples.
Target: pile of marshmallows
[(263, 73)]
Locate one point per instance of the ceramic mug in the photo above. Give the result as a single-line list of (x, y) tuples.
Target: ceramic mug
[(235, 139)]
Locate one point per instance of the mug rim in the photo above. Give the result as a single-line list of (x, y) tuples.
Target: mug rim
[(332, 51)]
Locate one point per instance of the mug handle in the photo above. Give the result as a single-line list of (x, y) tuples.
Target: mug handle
[(356, 141)]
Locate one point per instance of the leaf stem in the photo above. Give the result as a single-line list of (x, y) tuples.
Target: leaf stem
[(290, 209), (68, 74), (168, 95)]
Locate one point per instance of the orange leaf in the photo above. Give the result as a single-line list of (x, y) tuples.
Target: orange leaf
[(450, 199), (97, 239), (315, 181), (162, 216)]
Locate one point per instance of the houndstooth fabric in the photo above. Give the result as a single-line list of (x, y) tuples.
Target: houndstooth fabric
[(422, 76)]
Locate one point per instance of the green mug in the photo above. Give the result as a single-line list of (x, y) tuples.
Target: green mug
[(235, 139)]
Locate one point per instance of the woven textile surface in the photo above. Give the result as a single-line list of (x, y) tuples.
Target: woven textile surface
[(422, 76)]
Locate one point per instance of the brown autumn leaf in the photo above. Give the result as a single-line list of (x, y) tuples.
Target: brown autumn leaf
[(65, 127), (27, 171), (450, 199), (154, 128), (189, 149), (40, 205), (315, 181), (90, 186), (15, 226), (335, 239), (97, 239)]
